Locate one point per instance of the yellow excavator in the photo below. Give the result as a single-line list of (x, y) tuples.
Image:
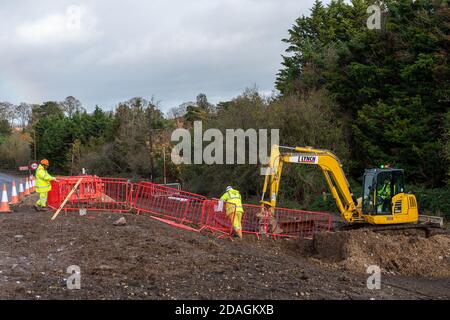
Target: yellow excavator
[(383, 202)]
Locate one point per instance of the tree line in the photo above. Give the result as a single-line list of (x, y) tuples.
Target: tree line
[(392, 86), (371, 96)]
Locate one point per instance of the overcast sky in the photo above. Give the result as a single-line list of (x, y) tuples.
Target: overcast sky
[(107, 51)]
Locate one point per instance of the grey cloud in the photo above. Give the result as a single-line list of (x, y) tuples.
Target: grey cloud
[(170, 49)]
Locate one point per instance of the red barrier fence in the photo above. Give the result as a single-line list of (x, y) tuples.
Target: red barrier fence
[(182, 206), (93, 193), (168, 202), (119, 195), (219, 216), (282, 222), (296, 223)]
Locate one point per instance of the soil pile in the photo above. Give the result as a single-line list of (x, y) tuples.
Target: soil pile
[(411, 255)]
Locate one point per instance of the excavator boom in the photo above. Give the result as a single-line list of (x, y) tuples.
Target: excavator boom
[(331, 168)]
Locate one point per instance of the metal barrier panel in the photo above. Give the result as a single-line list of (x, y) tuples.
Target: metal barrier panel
[(219, 216), (54, 198), (281, 222), (253, 219), (93, 193), (195, 212), (103, 194), (184, 207), (296, 223), (169, 202), (61, 189)]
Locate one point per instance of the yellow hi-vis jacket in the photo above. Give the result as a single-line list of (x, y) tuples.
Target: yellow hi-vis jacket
[(234, 197), (43, 179), (385, 191)]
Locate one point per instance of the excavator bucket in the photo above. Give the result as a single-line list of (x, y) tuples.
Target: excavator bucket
[(267, 215)]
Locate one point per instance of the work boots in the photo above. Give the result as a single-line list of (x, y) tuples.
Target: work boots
[(39, 208), (236, 234)]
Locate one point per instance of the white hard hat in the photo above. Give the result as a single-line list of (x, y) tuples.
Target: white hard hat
[(229, 188)]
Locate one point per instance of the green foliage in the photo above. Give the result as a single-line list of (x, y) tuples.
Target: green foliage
[(446, 151), (14, 150), (312, 42), (432, 201), (56, 133), (391, 85), (121, 143), (129, 144), (48, 110), (5, 128), (194, 113), (301, 121)]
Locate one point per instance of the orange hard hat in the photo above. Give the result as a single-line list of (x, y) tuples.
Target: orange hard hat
[(44, 162)]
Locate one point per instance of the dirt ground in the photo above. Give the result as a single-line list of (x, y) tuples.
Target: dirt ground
[(147, 259), (409, 253)]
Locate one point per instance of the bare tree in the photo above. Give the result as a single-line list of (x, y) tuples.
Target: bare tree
[(139, 123), (23, 114), (72, 105), (202, 102), (7, 112), (177, 112)]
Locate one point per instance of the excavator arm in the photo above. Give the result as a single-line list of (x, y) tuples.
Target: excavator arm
[(330, 166)]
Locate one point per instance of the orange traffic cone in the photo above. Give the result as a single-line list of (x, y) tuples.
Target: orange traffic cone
[(27, 187), (4, 205), (21, 191), (14, 197), (32, 188)]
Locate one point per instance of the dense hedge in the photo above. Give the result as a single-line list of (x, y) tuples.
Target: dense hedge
[(433, 201)]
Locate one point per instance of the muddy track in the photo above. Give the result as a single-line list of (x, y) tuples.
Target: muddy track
[(147, 259)]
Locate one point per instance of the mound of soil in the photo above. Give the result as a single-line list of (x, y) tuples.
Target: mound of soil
[(148, 259), (411, 255)]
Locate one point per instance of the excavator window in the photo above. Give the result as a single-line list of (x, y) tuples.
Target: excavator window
[(388, 184), (378, 189), (398, 182), (368, 194), (384, 193)]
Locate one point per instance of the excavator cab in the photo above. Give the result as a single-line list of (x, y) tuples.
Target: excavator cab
[(380, 186), (384, 199)]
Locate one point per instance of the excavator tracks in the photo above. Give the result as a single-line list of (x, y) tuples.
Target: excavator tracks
[(428, 229)]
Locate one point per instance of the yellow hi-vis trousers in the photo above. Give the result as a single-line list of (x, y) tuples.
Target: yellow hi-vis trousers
[(42, 202), (237, 219)]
